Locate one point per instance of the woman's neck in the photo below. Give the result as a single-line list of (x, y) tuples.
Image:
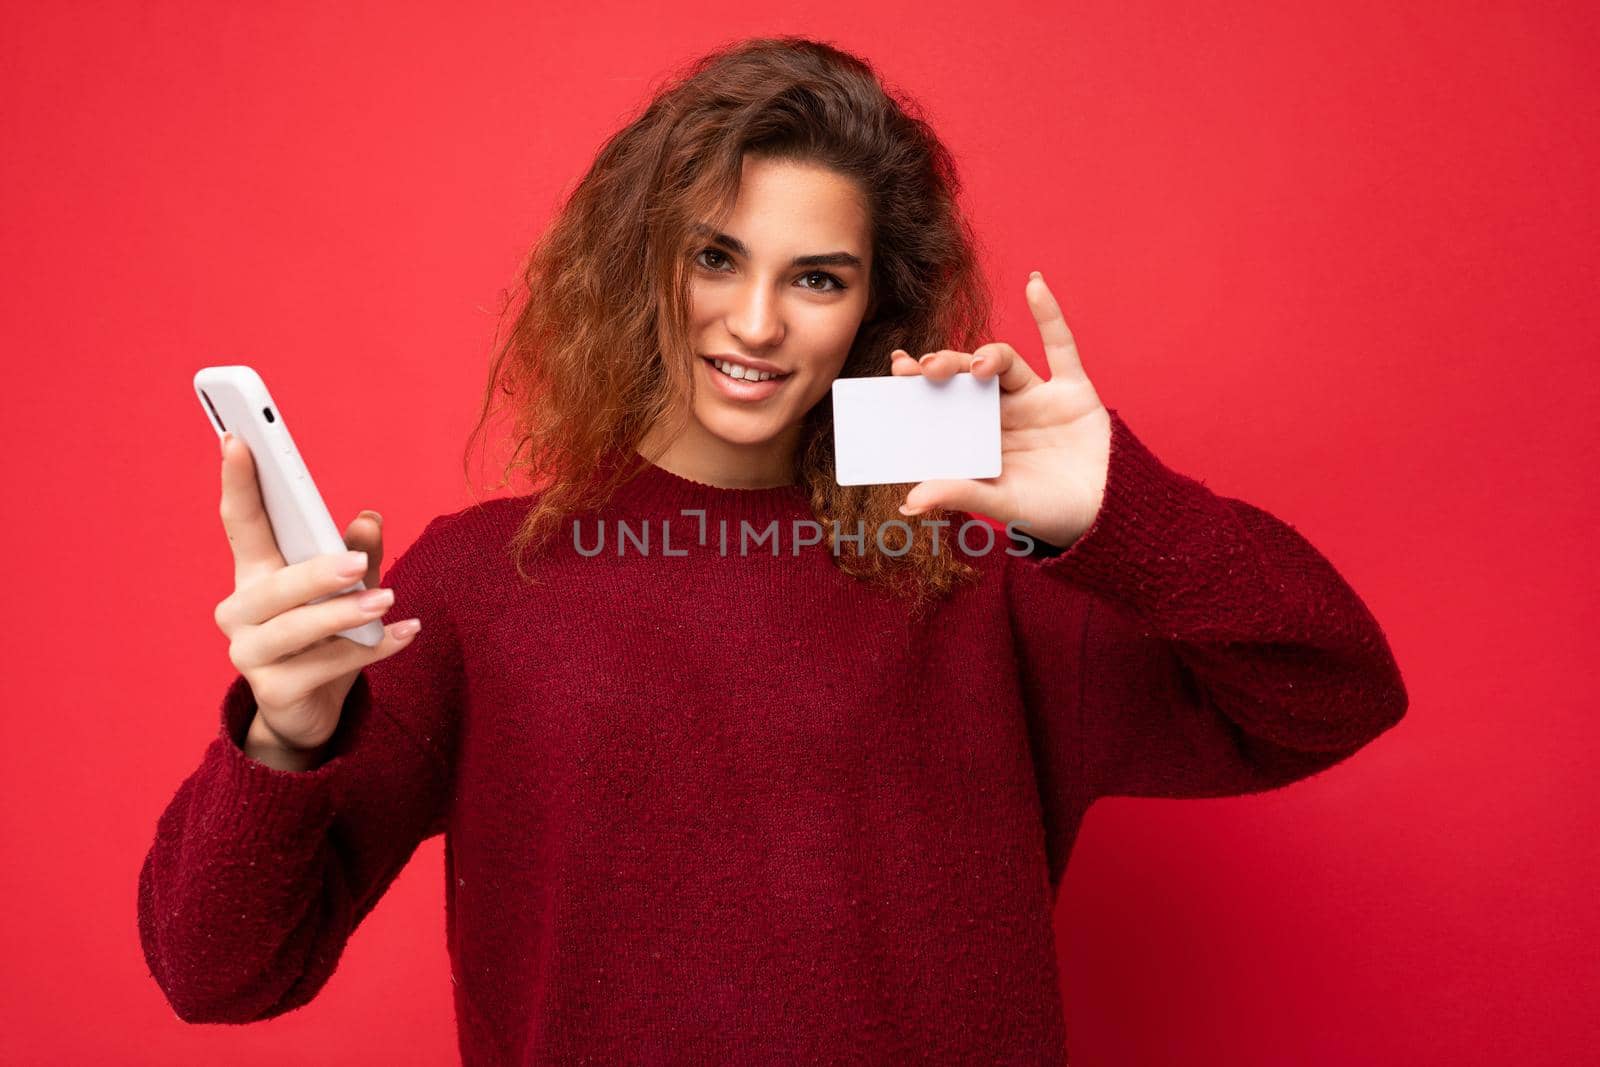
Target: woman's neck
[(702, 457)]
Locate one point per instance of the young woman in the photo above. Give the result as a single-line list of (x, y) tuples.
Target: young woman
[(735, 764)]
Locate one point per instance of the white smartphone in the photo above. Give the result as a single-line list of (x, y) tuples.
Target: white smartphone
[(907, 428), (236, 401)]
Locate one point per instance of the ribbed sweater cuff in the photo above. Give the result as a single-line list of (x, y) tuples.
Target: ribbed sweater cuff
[(262, 802), (1148, 513)]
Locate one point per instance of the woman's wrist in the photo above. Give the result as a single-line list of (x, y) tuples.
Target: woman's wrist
[(263, 746)]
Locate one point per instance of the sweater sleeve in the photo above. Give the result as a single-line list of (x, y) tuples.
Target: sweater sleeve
[(1191, 645), (257, 877)]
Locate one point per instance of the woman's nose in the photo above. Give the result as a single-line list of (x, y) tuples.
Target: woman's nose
[(755, 320)]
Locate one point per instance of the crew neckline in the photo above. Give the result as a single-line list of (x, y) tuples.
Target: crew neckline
[(656, 490)]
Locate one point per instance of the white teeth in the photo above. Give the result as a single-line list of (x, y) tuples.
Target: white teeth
[(741, 372)]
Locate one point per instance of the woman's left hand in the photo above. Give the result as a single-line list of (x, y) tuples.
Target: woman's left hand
[(1055, 436)]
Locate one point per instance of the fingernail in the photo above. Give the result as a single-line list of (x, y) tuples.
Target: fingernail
[(354, 563), (226, 437), (977, 361), (375, 598), (1036, 274), (925, 358), (911, 513), (375, 516)]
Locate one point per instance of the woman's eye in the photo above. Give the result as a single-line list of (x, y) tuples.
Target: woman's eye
[(711, 252), (837, 284)]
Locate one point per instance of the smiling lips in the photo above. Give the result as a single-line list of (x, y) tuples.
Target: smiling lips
[(739, 382)]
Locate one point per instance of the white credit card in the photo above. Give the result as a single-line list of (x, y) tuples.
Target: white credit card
[(908, 428)]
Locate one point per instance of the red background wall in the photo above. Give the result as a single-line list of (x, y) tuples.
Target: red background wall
[(1339, 262)]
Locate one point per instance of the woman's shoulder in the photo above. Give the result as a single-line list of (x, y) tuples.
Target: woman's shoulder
[(482, 515), (467, 531), (485, 543)]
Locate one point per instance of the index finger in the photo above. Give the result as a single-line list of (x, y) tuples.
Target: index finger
[(999, 359), (1060, 348), (244, 517)]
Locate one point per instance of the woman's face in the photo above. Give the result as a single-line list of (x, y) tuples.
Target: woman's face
[(782, 288)]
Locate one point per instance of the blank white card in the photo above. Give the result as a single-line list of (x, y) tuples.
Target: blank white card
[(907, 428)]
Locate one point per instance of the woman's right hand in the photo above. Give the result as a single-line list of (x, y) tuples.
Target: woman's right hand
[(288, 649)]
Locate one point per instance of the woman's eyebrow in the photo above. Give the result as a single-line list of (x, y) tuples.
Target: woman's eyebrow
[(821, 259)]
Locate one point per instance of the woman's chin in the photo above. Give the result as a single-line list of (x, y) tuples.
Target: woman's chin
[(740, 430)]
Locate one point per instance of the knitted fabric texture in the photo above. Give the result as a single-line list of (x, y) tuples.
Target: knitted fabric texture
[(713, 807)]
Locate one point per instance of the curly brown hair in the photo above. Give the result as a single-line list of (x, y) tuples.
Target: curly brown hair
[(594, 358)]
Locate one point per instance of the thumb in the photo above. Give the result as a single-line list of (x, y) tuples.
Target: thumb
[(365, 534), (957, 494)]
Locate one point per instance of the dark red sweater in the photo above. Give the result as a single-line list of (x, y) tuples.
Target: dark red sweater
[(743, 809)]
